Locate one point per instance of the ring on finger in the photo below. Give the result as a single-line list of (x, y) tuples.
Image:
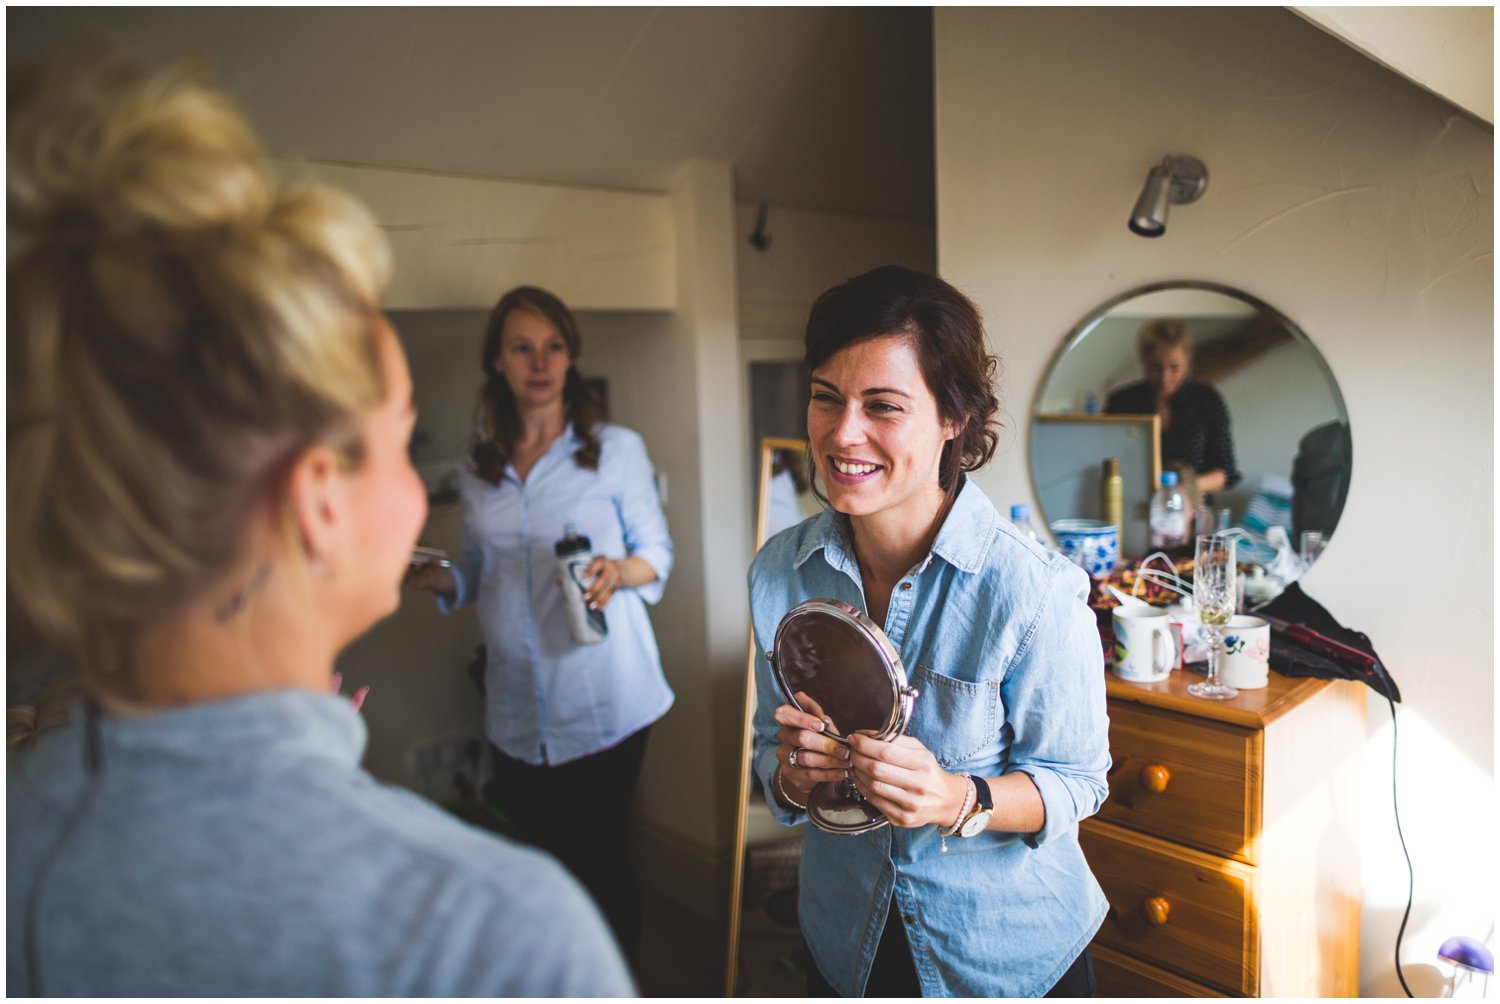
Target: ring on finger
[(791, 758)]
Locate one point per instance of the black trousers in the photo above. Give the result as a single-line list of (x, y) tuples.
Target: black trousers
[(580, 813), (893, 973)]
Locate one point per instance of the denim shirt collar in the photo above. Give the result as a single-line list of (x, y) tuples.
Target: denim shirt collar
[(963, 541)]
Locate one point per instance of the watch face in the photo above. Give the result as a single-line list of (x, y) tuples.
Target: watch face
[(975, 824)]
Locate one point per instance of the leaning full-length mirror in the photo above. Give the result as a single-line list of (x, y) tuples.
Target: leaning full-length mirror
[(1282, 456), (765, 942)]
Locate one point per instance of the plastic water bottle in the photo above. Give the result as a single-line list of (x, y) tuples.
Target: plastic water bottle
[(1169, 528), (574, 555), (1020, 515)]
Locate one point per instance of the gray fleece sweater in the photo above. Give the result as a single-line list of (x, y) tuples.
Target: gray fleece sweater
[(237, 848)]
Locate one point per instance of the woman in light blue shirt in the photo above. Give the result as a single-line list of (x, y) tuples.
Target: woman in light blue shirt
[(978, 888), (569, 722)]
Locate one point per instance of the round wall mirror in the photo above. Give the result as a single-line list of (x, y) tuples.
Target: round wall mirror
[(1287, 430)]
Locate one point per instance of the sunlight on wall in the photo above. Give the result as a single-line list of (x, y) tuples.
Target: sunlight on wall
[(1438, 788)]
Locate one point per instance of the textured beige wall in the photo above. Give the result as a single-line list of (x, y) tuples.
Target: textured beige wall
[(1362, 207)]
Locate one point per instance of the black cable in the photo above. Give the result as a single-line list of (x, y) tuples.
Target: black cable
[(1411, 879)]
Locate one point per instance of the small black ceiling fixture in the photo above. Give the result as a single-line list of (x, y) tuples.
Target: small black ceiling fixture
[(759, 239)]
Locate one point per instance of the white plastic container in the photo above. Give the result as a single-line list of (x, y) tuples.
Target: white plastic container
[(574, 555), (1020, 515), (1169, 526)]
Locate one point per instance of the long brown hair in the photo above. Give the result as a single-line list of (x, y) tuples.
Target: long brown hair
[(497, 418)]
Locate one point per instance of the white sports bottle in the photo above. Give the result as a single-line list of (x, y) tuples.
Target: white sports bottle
[(574, 555)]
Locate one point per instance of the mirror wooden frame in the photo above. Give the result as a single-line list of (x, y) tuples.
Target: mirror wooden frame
[(769, 447), (1133, 440)]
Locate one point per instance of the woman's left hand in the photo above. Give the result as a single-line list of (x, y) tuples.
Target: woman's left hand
[(604, 576), (902, 779)]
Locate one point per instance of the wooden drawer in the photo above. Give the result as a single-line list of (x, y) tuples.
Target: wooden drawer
[(1208, 930), (1188, 779), (1121, 976)]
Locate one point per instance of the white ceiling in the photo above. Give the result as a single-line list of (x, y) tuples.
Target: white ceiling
[(1448, 50), (816, 108)]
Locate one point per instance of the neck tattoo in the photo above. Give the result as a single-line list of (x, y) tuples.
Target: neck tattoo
[(241, 598)]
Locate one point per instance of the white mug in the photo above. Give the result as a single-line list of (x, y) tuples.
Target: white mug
[(1146, 649), (1246, 662)]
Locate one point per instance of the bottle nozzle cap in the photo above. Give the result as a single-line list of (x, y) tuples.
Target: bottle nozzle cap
[(1020, 511), (571, 542), (1168, 477)]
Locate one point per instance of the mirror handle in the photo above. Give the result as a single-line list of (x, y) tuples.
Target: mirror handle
[(908, 700)]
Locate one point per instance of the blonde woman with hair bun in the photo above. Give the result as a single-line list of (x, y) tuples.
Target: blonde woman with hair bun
[(209, 496)]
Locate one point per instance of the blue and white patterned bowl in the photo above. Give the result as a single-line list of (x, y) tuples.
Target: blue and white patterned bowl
[(1092, 544)]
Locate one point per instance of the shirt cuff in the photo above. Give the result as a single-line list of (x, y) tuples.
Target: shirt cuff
[(1055, 797), (460, 593), (652, 591)]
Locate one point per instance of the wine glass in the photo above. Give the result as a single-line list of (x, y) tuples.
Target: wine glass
[(1214, 596)]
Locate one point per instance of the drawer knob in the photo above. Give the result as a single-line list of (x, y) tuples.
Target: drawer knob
[(1154, 778), (1156, 910)]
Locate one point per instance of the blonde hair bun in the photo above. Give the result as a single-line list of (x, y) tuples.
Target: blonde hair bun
[(179, 326), (122, 153)]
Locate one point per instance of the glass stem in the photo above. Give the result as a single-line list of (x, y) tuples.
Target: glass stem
[(1215, 636)]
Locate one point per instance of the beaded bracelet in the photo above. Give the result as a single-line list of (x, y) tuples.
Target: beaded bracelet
[(963, 812), (963, 809), (785, 797)]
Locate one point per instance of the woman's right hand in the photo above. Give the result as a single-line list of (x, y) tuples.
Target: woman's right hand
[(431, 578), (819, 758)]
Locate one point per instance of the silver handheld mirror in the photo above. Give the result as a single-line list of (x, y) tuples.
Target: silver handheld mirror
[(832, 661)]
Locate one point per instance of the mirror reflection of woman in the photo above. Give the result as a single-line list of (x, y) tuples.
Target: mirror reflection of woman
[(209, 496), (1195, 436), (568, 722), (978, 888)]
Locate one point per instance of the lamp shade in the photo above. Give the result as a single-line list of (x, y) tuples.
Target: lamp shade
[(1468, 953), (1149, 217)]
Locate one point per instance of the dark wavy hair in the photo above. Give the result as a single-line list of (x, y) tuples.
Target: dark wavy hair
[(498, 420), (948, 333)]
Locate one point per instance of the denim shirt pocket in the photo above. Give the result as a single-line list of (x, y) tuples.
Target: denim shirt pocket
[(957, 720)]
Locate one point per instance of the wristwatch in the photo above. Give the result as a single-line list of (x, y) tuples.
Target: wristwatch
[(978, 819)]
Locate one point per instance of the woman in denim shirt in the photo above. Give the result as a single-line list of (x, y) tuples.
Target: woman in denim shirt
[(999, 641)]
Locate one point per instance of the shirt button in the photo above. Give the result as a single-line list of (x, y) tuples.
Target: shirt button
[(909, 918), (905, 586)]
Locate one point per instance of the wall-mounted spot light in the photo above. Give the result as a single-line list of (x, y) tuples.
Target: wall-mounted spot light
[(1175, 181), (759, 239)]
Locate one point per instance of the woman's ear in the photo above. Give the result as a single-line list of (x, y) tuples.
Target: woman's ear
[(315, 497), (952, 430)]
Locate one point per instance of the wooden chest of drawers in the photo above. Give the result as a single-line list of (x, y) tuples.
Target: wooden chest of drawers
[(1229, 846)]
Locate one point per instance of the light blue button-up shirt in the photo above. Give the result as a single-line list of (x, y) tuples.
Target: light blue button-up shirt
[(996, 635), (551, 700)]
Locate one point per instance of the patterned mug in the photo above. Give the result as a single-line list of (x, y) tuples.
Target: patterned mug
[(1146, 648), (1092, 544), (1246, 662)]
